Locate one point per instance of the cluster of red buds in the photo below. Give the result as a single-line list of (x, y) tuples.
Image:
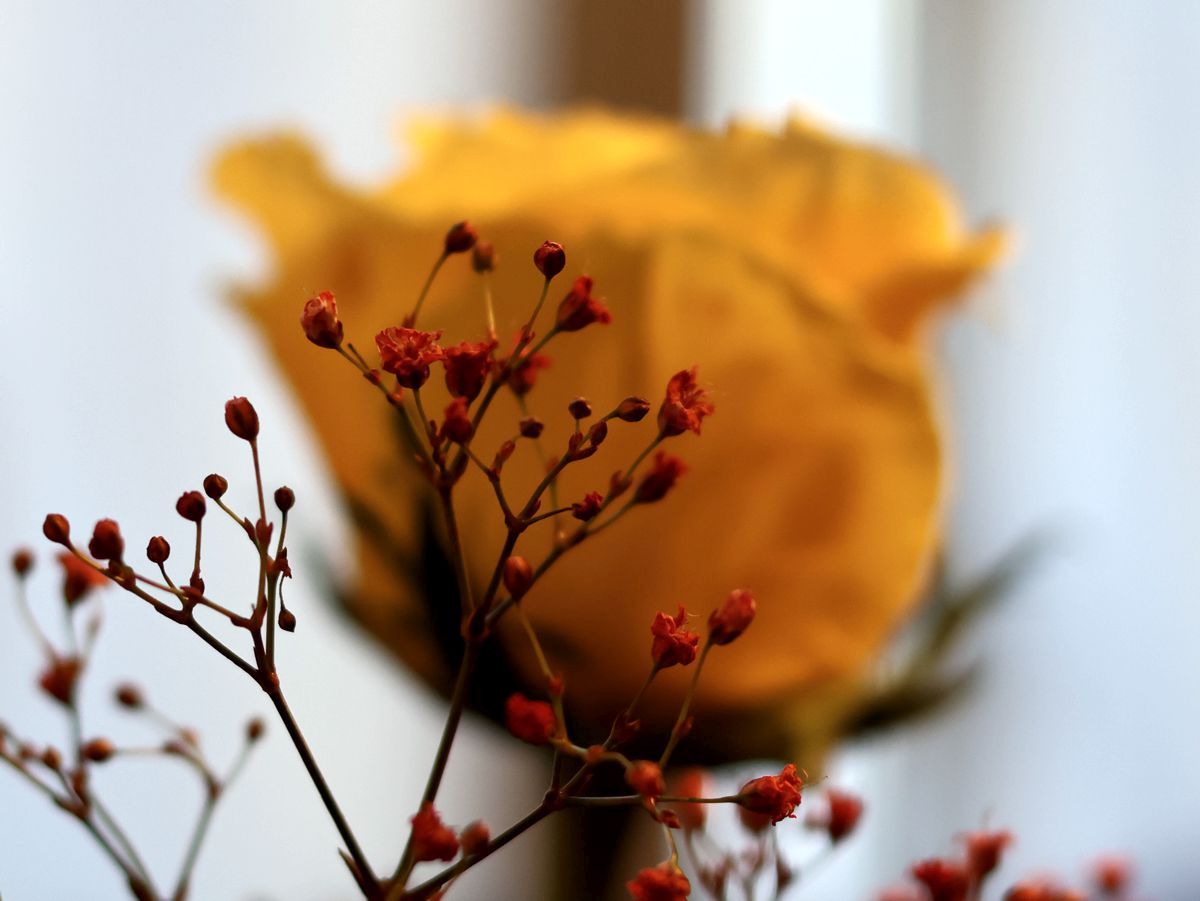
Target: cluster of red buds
[(963, 877), (64, 775)]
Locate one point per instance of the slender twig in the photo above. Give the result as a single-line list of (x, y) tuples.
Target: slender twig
[(677, 731)]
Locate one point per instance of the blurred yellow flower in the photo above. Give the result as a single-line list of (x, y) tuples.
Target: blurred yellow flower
[(795, 268)]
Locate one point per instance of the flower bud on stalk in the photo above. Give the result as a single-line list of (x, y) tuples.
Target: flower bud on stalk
[(732, 618), (106, 543), (285, 498), (320, 321), (632, 409), (22, 562), (57, 529), (484, 257), (129, 696), (241, 418), (461, 237), (215, 486), (191, 506), (550, 259), (98, 750), (518, 575), (158, 550)]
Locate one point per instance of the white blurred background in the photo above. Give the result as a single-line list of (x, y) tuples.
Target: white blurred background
[(1070, 386)]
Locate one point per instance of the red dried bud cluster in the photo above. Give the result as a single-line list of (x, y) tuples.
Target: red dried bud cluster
[(129, 696), (475, 837), (579, 309), (285, 498), (664, 473), (845, 810), (191, 506), (467, 365), (431, 838), (241, 418), (158, 550), (518, 575), (79, 578), (632, 409), (457, 425), (320, 321), (59, 677), (22, 562), (645, 778), (461, 237), (944, 880), (589, 508), (691, 783), (529, 720), (579, 408), (732, 618), (407, 353), (531, 427), (57, 529), (664, 882), (106, 541), (483, 257), (550, 259), (673, 642), (215, 486), (984, 850), (776, 797), (685, 405), (98, 750)]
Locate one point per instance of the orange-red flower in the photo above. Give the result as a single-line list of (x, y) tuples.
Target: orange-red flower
[(664, 882), (457, 425), (320, 321), (845, 810), (673, 642), (528, 720), (732, 618), (579, 309), (645, 778), (690, 783), (408, 353), (984, 850), (664, 473), (467, 365), (774, 796), (431, 838), (78, 578), (685, 406), (59, 677), (944, 879)]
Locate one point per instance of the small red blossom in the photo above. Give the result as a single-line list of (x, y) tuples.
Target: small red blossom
[(732, 618), (59, 677), (525, 371), (518, 575), (106, 543), (531, 721), (691, 783), (984, 850), (475, 837), (57, 529), (191, 506), (664, 882), (579, 309), (407, 353), (773, 796), (22, 562), (845, 810), (158, 550), (664, 473), (78, 578), (673, 642), (98, 750), (467, 365), (431, 838), (550, 258), (944, 880), (1112, 874), (457, 425), (460, 238), (588, 508), (320, 320), (685, 406), (645, 778)]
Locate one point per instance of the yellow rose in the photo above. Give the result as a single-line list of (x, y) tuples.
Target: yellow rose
[(795, 269)]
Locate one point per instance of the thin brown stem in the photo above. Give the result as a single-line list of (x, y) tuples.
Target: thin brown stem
[(677, 731)]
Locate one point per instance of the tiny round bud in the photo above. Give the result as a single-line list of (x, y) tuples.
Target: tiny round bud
[(255, 729), (241, 418), (518, 575), (51, 758), (158, 550), (645, 778), (531, 427), (22, 562), (597, 433), (632, 409), (287, 620), (483, 257), (461, 237), (57, 529), (579, 408), (320, 321), (550, 259), (285, 498), (732, 618), (98, 750), (215, 486), (129, 696), (106, 543), (474, 838), (191, 506)]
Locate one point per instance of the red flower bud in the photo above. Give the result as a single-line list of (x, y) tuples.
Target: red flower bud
[(287, 620), (589, 508), (579, 408), (984, 849), (531, 427), (129, 696), (774, 796), (57, 529), (531, 721), (685, 405), (320, 321), (579, 309), (241, 418), (191, 506), (673, 642), (467, 365), (255, 729), (645, 778), (664, 473), (59, 677), (550, 259), (518, 575), (22, 562), (1112, 874), (691, 783), (664, 882), (78, 578), (475, 837), (285, 498), (632, 409), (431, 838), (457, 426), (158, 550), (461, 237), (215, 486), (732, 618), (51, 758), (506, 450), (845, 810), (483, 257), (98, 750), (106, 541), (945, 880)]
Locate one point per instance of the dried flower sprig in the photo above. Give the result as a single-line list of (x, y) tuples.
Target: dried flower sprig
[(66, 778)]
